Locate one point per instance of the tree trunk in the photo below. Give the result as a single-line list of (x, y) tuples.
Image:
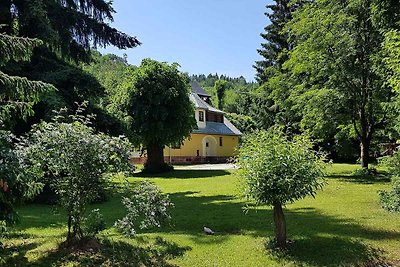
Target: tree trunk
[(364, 146), (280, 226), (155, 158)]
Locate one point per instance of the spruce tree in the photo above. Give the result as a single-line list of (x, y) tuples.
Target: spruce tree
[(17, 94), (69, 30), (276, 46)]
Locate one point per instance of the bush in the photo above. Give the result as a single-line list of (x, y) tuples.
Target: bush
[(94, 223), (16, 183), (146, 207), (364, 172), (77, 161), (390, 200)]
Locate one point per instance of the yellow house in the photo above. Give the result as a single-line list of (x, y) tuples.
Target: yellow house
[(214, 140)]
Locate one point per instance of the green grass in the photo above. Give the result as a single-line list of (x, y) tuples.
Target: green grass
[(343, 226)]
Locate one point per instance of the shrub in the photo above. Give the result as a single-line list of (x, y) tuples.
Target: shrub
[(146, 207), (390, 200), (94, 223), (77, 159), (16, 183)]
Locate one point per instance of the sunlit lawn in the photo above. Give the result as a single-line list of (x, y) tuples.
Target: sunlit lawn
[(344, 225)]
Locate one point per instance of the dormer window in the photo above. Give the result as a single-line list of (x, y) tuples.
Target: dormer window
[(201, 115)]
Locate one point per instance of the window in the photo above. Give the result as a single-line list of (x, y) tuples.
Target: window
[(201, 115), (198, 153), (220, 141), (206, 144)]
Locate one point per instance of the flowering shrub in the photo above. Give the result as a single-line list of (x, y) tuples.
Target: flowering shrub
[(78, 160), (146, 207)]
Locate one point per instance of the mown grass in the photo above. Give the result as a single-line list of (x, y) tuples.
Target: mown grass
[(343, 226)]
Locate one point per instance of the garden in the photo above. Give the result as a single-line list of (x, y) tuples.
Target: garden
[(344, 225)]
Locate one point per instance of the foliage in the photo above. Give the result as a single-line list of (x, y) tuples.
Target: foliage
[(336, 47), (18, 94), (276, 46), (94, 223), (70, 28), (276, 171), (390, 200), (77, 159), (147, 204), (220, 87), (157, 100), (244, 123), (16, 184)]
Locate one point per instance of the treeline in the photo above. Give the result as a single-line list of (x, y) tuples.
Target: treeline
[(329, 68)]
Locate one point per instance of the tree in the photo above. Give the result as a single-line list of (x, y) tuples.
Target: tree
[(77, 159), (277, 171), (157, 100), (17, 96), (335, 48), (274, 50), (220, 87), (68, 30)]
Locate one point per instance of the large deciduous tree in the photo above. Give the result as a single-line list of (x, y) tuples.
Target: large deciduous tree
[(277, 171), (220, 87), (162, 114), (336, 48)]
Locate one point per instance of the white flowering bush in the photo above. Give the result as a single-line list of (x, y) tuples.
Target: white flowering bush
[(77, 160), (146, 207)]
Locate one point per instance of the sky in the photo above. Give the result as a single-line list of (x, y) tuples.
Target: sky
[(202, 36)]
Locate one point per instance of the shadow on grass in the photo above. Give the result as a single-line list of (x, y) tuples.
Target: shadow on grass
[(108, 253), (331, 251), (14, 255), (319, 239), (185, 174), (380, 178)]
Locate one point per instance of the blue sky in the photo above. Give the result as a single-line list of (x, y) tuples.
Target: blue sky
[(203, 36)]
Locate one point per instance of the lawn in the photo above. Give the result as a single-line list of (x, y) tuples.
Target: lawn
[(343, 226)]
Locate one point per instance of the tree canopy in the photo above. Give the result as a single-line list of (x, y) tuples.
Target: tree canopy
[(157, 101)]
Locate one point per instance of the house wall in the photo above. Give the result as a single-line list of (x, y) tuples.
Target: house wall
[(195, 142)]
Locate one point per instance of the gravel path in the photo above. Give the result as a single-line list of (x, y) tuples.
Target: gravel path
[(207, 167)]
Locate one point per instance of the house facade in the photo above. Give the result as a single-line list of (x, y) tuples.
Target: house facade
[(215, 139)]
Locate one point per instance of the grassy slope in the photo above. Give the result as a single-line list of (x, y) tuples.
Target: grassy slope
[(342, 226)]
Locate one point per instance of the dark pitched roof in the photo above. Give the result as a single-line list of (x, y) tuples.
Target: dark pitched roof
[(226, 128), (200, 103), (196, 88)]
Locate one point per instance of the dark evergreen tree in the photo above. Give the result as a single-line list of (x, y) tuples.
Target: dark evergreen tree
[(274, 50), (68, 29)]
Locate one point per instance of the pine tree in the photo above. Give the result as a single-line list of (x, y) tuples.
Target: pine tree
[(274, 50)]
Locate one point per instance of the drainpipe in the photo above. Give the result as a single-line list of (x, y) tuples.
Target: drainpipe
[(169, 154)]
